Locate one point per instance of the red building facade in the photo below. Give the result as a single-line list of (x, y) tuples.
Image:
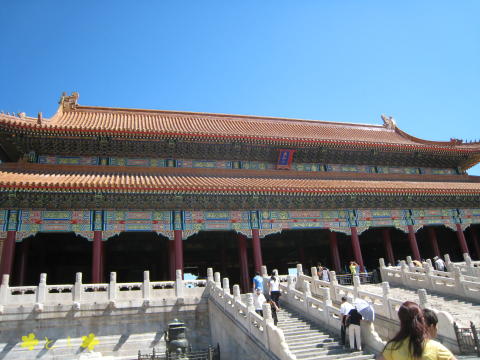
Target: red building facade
[(98, 189)]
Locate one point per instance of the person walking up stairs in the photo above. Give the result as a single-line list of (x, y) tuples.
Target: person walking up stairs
[(309, 341)]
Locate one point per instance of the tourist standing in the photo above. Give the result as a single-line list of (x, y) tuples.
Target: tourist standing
[(258, 301), (417, 263), (413, 339), (344, 310), (325, 276), (353, 268), (274, 286), (439, 263), (354, 333), (274, 308), (257, 282)]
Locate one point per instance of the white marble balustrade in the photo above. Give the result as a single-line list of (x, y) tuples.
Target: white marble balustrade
[(112, 294), (468, 267), (323, 312), (384, 305), (260, 328), (442, 282)]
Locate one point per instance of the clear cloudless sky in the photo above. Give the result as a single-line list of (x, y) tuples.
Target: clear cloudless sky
[(348, 60)]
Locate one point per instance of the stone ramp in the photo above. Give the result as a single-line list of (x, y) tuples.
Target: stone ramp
[(308, 341), (463, 311)]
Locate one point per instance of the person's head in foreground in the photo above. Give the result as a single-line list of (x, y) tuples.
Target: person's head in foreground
[(258, 291), (413, 340), (431, 321)]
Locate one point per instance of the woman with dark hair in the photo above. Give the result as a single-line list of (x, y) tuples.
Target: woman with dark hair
[(274, 287), (412, 342)]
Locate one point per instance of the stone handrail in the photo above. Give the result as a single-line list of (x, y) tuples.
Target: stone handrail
[(384, 305), (260, 328), (324, 313), (112, 294), (448, 283), (467, 267)]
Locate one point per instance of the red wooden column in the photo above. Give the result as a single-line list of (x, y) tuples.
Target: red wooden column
[(413, 243), (171, 259), (97, 257), (301, 252), (332, 237), (243, 258), (8, 253), (22, 264), (357, 251), (102, 262), (432, 237), (177, 239), (387, 243), (473, 231), (223, 257), (461, 239), (257, 250)]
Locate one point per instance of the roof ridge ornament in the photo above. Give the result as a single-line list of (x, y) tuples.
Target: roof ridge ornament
[(389, 122), (69, 102)]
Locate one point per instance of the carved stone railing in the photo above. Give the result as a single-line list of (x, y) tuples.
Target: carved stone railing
[(467, 267), (260, 328), (323, 312), (384, 305), (442, 282), (112, 294)]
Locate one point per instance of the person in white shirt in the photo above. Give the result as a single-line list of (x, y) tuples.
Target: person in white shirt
[(439, 263), (274, 287), (325, 276), (258, 301), (344, 310)]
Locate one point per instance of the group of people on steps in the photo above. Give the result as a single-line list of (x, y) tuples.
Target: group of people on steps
[(414, 340)]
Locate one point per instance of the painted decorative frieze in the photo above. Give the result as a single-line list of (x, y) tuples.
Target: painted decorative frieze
[(310, 219), (30, 222), (226, 164), (216, 220), (68, 160), (120, 221)]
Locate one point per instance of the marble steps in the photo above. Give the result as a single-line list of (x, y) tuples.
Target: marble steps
[(308, 341)]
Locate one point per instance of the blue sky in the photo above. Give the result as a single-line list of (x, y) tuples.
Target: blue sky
[(418, 61)]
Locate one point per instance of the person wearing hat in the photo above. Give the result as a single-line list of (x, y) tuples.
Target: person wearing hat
[(439, 263)]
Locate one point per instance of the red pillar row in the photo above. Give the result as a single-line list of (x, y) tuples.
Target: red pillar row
[(432, 237), (22, 265), (171, 259), (332, 237), (413, 243), (8, 253), (177, 239), (243, 258), (476, 245), (357, 251), (257, 250), (97, 257), (461, 239), (387, 243)]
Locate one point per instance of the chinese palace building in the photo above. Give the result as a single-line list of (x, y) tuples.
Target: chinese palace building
[(97, 189)]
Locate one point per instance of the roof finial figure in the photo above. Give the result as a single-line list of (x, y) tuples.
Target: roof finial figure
[(69, 102), (389, 122)]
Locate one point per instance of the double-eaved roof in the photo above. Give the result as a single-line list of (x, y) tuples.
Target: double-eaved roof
[(73, 120)]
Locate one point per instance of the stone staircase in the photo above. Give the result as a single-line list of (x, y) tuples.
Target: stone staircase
[(462, 311), (309, 342)]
